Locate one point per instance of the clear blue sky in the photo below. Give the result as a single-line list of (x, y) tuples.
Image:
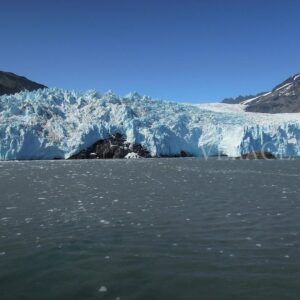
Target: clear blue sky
[(188, 50)]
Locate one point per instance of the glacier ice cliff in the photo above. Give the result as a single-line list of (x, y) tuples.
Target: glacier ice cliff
[(54, 123)]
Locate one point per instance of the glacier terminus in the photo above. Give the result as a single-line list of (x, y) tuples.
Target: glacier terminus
[(55, 123)]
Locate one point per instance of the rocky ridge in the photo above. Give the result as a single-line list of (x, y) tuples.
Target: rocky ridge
[(11, 83)]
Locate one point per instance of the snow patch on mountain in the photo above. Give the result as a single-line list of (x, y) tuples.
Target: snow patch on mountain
[(296, 76), (54, 123)]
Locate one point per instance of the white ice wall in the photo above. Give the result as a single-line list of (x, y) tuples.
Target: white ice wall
[(52, 123)]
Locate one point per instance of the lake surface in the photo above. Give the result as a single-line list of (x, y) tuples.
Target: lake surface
[(150, 229)]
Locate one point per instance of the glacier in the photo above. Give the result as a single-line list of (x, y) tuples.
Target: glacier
[(56, 123)]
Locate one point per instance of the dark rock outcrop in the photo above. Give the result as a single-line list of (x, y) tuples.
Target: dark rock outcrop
[(180, 154), (11, 83), (114, 146), (257, 155)]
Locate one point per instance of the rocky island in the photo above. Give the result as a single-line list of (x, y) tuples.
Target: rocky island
[(257, 155)]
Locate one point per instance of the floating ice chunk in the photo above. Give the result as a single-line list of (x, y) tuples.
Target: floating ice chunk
[(132, 155), (104, 222), (102, 289)]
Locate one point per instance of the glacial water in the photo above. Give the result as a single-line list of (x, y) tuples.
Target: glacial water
[(150, 229)]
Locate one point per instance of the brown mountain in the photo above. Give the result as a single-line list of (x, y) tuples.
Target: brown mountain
[(11, 83), (284, 98)]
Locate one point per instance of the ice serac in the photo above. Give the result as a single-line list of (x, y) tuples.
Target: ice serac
[(53, 123)]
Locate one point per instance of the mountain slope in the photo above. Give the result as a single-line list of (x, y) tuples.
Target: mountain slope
[(240, 99), (284, 98), (52, 123), (11, 83)]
